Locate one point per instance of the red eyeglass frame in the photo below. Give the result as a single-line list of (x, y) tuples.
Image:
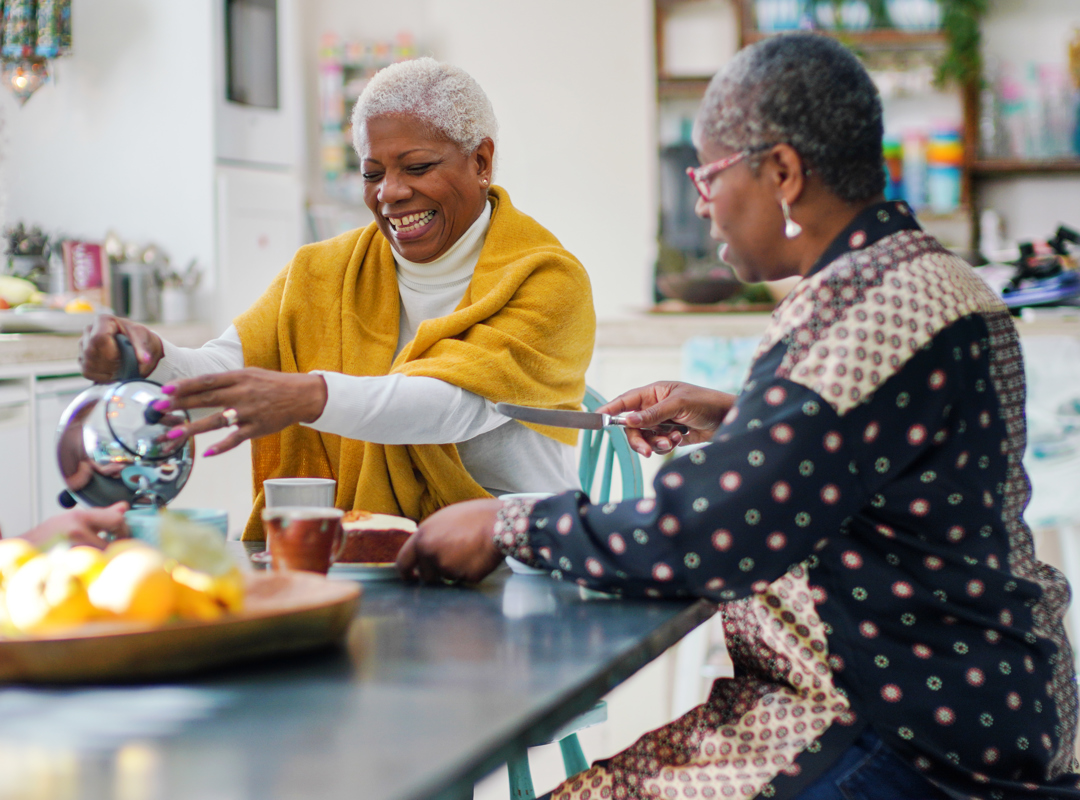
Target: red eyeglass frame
[(701, 176)]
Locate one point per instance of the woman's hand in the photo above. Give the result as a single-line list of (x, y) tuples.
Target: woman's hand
[(99, 354), (81, 526), (257, 401), (701, 410), (455, 543)]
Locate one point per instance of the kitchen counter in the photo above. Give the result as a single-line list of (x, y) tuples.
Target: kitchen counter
[(643, 329), (51, 350), (653, 330), (640, 348)]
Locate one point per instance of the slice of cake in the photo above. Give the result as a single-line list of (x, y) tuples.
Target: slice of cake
[(373, 538)]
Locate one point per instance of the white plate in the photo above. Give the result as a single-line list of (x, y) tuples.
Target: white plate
[(356, 572), (524, 569), (364, 572), (44, 321)]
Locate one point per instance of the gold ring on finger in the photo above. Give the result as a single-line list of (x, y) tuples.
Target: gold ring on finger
[(230, 416)]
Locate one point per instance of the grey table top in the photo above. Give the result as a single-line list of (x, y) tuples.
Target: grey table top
[(435, 687)]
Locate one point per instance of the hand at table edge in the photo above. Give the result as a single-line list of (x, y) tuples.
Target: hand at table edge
[(455, 543)]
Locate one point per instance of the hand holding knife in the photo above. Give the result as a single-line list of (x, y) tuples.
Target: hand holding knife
[(588, 420)]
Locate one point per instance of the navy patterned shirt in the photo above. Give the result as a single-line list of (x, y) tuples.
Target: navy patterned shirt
[(859, 515)]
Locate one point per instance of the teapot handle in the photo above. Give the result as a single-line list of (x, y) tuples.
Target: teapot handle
[(129, 365)]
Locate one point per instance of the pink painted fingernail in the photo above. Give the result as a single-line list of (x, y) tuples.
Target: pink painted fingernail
[(161, 405), (210, 452), (168, 388), (175, 433)]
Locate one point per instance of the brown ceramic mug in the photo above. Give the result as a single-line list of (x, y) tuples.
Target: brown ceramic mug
[(303, 538)]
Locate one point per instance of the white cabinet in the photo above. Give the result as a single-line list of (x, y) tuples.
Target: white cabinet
[(52, 395), (16, 514), (260, 227), (30, 408)]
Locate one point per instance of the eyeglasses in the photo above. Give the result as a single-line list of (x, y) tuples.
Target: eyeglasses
[(702, 176)]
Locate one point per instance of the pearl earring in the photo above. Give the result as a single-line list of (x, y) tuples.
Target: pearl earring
[(483, 181), (791, 227)]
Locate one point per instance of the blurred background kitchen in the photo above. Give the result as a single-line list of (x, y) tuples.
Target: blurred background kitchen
[(166, 159)]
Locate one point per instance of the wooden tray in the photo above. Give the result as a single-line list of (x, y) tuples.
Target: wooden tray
[(284, 612)]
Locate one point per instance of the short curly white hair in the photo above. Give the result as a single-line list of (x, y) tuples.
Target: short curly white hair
[(444, 96)]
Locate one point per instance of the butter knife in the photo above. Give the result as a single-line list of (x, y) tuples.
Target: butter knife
[(588, 420)]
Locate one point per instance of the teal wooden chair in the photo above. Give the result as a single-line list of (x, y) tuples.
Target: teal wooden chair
[(601, 451)]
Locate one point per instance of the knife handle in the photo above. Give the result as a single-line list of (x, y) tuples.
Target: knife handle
[(668, 427), (662, 428)]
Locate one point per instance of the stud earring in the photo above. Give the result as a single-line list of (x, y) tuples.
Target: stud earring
[(483, 181), (791, 227)]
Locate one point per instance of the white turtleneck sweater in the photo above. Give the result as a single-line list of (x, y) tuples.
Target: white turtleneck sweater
[(501, 454)]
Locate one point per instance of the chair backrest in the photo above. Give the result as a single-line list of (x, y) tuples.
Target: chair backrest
[(599, 452)]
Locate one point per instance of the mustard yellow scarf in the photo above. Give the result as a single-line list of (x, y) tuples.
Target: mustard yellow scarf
[(523, 333)]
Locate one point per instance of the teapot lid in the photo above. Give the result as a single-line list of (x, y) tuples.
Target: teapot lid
[(137, 426)]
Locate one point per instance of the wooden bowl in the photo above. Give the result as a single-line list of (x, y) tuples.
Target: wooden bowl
[(702, 289)]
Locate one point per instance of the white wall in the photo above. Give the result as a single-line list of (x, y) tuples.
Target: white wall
[(572, 86), (1020, 31), (124, 138)]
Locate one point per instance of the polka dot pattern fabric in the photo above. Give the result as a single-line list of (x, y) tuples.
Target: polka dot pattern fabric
[(852, 327), (864, 537)]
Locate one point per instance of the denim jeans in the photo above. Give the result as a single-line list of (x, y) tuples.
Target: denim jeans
[(867, 771), (870, 771)]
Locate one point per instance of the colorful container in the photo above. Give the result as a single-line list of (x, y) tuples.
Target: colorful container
[(944, 159), (894, 169)]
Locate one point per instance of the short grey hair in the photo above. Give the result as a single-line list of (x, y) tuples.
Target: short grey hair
[(810, 92), (445, 97)]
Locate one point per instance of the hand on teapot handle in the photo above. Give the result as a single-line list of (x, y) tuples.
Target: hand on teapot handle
[(99, 354)]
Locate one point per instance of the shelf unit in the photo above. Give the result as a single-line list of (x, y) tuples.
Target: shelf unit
[(345, 67), (1019, 166), (974, 171)]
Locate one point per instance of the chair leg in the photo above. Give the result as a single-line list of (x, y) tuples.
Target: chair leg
[(572, 756), (521, 785)]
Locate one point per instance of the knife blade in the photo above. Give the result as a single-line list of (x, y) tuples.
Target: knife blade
[(587, 420)]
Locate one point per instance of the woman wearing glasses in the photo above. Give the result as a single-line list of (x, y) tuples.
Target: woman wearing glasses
[(858, 512)]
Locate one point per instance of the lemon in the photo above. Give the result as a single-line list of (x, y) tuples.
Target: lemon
[(195, 605), (82, 562), (229, 590), (121, 545), (204, 596), (41, 599), (13, 554), (194, 544), (135, 585), (78, 306)]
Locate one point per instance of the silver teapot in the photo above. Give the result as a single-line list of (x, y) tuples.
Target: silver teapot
[(111, 443)]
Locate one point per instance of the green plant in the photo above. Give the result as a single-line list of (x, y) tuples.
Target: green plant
[(960, 21)]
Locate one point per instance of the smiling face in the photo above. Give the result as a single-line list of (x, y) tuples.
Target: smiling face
[(423, 191)]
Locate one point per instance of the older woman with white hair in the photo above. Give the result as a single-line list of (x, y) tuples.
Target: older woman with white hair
[(376, 357)]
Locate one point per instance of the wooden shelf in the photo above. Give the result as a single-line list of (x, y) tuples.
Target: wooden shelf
[(871, 39), (1021, 166), (682, 88)]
